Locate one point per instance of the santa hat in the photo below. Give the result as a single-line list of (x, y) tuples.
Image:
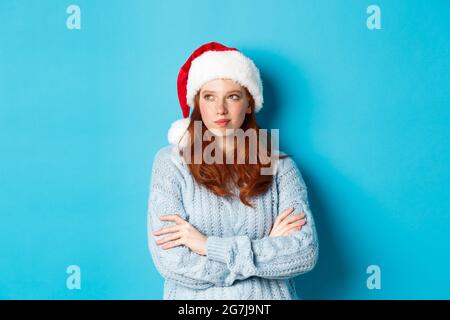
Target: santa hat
[(208, 62)]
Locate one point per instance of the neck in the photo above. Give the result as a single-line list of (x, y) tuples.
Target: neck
[(225, 143)]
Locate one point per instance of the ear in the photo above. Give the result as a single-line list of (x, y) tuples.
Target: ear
[(249, 109)]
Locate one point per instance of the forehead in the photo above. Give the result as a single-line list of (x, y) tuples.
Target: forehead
[(221, 85)]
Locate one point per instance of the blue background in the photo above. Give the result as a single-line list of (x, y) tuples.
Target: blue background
[(364, 113)]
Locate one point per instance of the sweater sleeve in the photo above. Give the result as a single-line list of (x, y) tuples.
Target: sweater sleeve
[(279, 257), (179, 263)]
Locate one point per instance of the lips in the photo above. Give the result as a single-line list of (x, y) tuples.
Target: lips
[(222, 122)]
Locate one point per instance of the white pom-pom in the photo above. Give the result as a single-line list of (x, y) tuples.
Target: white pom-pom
[(178, 131)]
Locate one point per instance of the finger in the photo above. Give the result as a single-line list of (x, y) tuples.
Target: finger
[(171, 244), (292, 230), (283, 215), (289, 221), (293, 218), (166, 230), (293, 226), (289, 231), (172, 217), (169, 238)]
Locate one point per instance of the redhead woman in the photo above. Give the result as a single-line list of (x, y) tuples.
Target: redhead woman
[(226, 229)]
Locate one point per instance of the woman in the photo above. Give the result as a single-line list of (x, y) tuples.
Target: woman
[(225, 230)]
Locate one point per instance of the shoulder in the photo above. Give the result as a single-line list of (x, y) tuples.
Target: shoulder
[(163, 153), (285, 164), (168, 158), (167, 168), (168, 153), (288, 172)]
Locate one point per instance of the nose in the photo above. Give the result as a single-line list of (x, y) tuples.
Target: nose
[(221, 107)]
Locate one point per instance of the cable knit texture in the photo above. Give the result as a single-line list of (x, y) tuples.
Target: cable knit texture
[(242, 261)]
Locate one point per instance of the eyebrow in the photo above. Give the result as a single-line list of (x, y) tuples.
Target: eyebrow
[(210, 91)]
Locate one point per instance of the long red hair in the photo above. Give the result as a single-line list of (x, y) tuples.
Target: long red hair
[(218, 177)]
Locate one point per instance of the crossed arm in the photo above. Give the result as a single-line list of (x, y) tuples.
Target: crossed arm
[(220, 261)]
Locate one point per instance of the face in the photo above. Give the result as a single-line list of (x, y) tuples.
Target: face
[(223, 99)]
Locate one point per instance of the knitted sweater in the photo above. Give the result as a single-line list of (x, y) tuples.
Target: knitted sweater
[(242, 261)]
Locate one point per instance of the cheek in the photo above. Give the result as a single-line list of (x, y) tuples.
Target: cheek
[(205, 113), (239, 112)]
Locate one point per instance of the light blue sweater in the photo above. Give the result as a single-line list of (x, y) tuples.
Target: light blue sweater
[(242, 261)]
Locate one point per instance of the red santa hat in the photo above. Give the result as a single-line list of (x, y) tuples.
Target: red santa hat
[(208, 62)]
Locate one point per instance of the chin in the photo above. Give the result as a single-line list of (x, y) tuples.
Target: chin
[(222, 132)]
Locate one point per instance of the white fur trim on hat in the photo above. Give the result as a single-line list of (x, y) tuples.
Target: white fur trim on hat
[(229, 64), (178, 131)]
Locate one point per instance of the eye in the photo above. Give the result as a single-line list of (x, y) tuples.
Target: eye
[(236, 97), (207, 97)]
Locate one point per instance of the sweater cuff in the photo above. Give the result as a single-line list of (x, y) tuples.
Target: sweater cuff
[(218, 248)]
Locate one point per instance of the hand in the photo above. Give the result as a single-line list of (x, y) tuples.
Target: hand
[(284, 226), (183, 233)]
